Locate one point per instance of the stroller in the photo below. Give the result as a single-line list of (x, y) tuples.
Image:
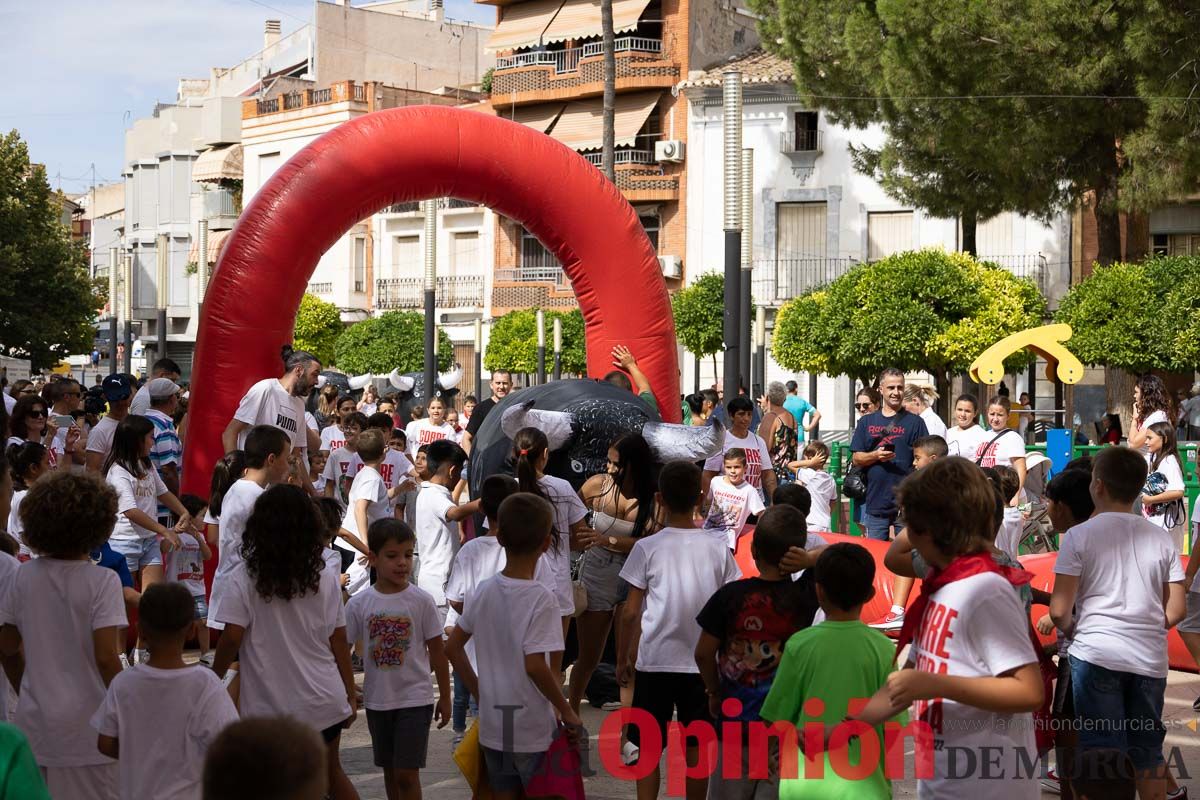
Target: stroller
[(1036, 536)]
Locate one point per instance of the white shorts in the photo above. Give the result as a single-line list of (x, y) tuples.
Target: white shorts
[(95, 782)]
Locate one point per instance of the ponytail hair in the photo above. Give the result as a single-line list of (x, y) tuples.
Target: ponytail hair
[(1170, 445), (528, 446), (21, 458), (293, 358), (227, 471)]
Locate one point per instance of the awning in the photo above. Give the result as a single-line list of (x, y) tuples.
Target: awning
[(216, 243), (580, 19), (539, 117), (581, 125), (522, 24), (219, 164)]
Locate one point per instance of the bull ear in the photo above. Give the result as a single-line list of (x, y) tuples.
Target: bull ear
[(402, 383)]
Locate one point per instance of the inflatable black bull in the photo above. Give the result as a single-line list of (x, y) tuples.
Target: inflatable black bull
[(409, 387), (581, 418)]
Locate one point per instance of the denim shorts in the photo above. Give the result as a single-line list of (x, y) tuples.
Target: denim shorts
[(138, 552), (1119, 711), (201, 606), (876, 527), (510, 772)]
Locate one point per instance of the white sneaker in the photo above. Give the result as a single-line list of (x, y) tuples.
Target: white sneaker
[(206, 660), (629, 753), (892, 621)]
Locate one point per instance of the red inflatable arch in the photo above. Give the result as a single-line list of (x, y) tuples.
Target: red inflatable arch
[(412, 154)]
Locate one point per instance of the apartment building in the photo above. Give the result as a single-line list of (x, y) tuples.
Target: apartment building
[(549, 75)]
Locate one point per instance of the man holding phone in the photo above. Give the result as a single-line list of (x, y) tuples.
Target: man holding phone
[(66, 397), (883, 448)]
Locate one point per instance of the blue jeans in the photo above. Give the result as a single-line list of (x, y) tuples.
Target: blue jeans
[(458, 711), (1119, 711), (876, 527)]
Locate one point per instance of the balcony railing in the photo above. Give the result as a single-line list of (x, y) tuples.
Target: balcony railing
[(218, 203), (1029, 265), (342, 91), (776, 281), (623, 157), (415, 206), (452, 291), (534, 274), (800, 141), (320, 288), (568, 60)]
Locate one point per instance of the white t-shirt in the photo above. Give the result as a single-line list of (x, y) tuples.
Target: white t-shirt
[(730, 507), (186, 565), (141, 401), (165, 720), (336, 467), (1008, 538), (287, 666), (568, 509), (368, 485), (311, 422), (679, 569), (1001, 451), (975, 627), (57, 605), (10, 403), (268, 403), (933, 423), (1173, 472), (134, 493), (966, 443), (823, 490), (332, 438), (437, 539), (101, 437), (508, 620), (368, 408), (8, 698), (333, 561), (15, 528), (1122, 562), (758, 457), (394, 467), (422, 431), (1156, 416), (236, 507), (394, 629)]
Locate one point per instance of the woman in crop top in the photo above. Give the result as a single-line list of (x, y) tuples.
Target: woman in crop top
[(621, 502)]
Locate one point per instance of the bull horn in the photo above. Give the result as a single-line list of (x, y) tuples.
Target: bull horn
[(671, 442), (359, 381), (321, 381), (401, 383), (448, 380), (557, 425)]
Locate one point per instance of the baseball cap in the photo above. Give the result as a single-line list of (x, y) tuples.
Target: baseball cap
[(161, 387), (116, 387)]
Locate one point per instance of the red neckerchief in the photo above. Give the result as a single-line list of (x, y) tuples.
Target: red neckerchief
[(956, 570)]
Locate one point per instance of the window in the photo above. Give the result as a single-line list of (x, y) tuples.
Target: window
[(806, 131), (464, 253), (799, 231), (534, 254), (408, 259), (360, 263), (888, 232), (267, 164), (1176, 244), (651, 224)]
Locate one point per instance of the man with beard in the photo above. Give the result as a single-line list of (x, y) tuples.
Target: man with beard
[(278, 402), (501, 385)]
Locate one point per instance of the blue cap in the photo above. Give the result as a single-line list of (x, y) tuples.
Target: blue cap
[(116, 387)]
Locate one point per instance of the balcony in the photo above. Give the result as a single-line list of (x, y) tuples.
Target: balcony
[(538, 274), (414, 207), (452, 291), (579, 71), (775, 281), (800, 142), (341, 92), (564, 61), (320, 288), (220, 208), (620, 157)]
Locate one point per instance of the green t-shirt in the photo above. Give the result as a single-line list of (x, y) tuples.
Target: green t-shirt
[(836, 662), (649, 398), (20, 778)]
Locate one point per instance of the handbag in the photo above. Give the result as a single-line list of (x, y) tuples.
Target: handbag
[(854, 481), (578, 591)]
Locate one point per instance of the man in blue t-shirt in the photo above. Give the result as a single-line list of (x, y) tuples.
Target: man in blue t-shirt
[(798, 407), (883, 448)]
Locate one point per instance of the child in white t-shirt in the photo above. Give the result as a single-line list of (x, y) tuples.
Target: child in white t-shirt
[(430, 429), (286, 624), (514, 622), (1012, 528), (29, 462), (367, 502), (972, 671), (316, 470), (186, 566), (1121, 577), (63, 613), (332, 514), (337, 466), (401, 631), (731, 500), (1162, 498), (811, 474), (398, 473), (438, 516), (671, 576), (158, 718), (1003, 447), (334, 436)]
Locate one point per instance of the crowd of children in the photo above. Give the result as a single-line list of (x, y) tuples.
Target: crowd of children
[(450, 606)]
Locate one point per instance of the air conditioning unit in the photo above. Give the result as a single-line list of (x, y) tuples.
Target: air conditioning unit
[(668, 152), (672, 266)]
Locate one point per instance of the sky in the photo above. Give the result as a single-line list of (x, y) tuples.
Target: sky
[(75, 73)]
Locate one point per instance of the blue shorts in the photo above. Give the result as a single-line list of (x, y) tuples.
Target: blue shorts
[(138, 553), (510, 772), (1119, 711)]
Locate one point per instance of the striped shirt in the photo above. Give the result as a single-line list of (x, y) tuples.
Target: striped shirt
[(167, 447)]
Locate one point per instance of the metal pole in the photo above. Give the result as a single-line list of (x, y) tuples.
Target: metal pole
[(114, 305), (541, 348), (431, 207), (731, 329), (479, 359), (127, 308), (745, 319), (202, 248), (812, 399), (760, 348), (557, 348), (162, 258), (696, 381)]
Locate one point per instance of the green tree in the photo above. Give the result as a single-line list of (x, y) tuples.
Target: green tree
[(698, 310), (512, 343), (924, 310), (387, 342), (1009, 104), (48, 303), (318, 326)]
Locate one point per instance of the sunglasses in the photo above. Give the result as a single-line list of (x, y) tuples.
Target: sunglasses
[(862, 406), (38, 414), (28, 391)]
